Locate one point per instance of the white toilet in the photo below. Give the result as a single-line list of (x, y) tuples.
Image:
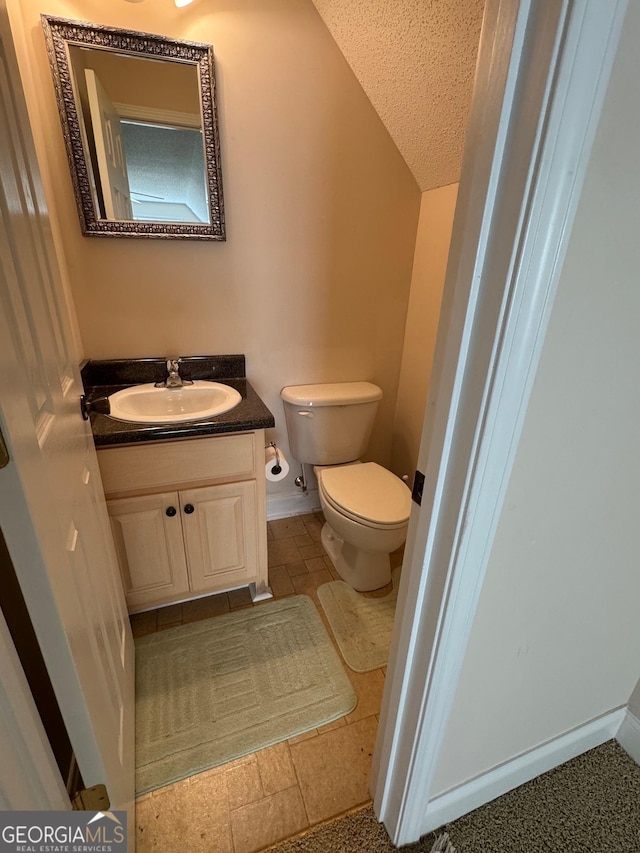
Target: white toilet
[(366, 507)]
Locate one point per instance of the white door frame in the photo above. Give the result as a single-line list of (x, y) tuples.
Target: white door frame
[(541, 79)]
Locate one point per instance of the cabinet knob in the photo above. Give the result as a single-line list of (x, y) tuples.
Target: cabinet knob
[(188, 508), (171, 511)]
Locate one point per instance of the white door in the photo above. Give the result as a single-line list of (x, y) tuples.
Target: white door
[(30, 778), (112, 165), (52, 510)]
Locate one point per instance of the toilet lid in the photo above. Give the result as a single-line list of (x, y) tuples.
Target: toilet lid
[(367, 491)]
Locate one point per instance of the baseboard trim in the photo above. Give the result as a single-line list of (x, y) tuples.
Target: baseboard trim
[(505, 777), (287, 504), (628, 735)]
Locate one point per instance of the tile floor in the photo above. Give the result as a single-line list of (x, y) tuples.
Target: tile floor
[(276, 793)]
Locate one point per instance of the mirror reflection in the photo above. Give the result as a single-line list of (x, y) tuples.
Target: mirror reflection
[(140, 128), (144, 135)]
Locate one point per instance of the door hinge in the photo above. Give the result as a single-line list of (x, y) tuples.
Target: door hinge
[(95, 799), (4, 453), (418, 486)]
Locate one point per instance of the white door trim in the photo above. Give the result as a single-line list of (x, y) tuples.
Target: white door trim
[(542, 74), (628, 735), (522, 768), (170, 118)]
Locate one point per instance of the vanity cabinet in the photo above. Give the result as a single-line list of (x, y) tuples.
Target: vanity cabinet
[(188, 517)]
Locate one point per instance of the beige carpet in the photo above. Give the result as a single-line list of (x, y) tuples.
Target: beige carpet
[(362, 626), (215, 690), (591, 804), (360, 832)]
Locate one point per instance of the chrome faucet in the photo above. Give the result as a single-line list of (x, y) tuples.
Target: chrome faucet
[(173, 380)]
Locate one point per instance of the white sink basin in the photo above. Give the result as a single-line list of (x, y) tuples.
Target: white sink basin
[(146, 404)]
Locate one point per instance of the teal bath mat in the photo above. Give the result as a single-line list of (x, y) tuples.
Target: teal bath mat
[(362, 626), (215, 690)]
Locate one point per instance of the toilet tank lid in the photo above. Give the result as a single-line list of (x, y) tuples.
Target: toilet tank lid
[(331, 394)]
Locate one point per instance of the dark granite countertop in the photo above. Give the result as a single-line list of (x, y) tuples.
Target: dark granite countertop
[(102, 378)]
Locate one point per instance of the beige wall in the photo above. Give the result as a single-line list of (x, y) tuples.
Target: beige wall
[(556, 638), (435, 224), (313, 281)]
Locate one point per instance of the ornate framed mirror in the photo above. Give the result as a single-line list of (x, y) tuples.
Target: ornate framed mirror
[(138, 116)]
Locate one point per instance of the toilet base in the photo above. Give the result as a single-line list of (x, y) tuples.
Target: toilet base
[(362, 570)]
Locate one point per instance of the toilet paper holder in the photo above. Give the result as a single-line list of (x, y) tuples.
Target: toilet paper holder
[(277, 468)]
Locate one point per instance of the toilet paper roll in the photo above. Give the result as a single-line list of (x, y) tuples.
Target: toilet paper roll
[(276, 466)]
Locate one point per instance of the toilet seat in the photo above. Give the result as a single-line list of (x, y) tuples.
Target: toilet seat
[(367, 493)]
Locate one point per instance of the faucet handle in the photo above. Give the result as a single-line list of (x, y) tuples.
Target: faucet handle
[(173, 378)]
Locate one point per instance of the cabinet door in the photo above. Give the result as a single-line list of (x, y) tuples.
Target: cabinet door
[(148, 536), (220, 531)]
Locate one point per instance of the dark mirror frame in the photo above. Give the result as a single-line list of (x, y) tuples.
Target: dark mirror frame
[(59, 33)]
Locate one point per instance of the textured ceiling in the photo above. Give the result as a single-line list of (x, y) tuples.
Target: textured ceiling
[(415, 59)]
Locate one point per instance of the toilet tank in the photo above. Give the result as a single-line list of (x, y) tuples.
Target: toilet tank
[(332, 423)]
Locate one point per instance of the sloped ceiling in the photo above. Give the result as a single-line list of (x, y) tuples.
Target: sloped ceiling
[(415, 59)]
